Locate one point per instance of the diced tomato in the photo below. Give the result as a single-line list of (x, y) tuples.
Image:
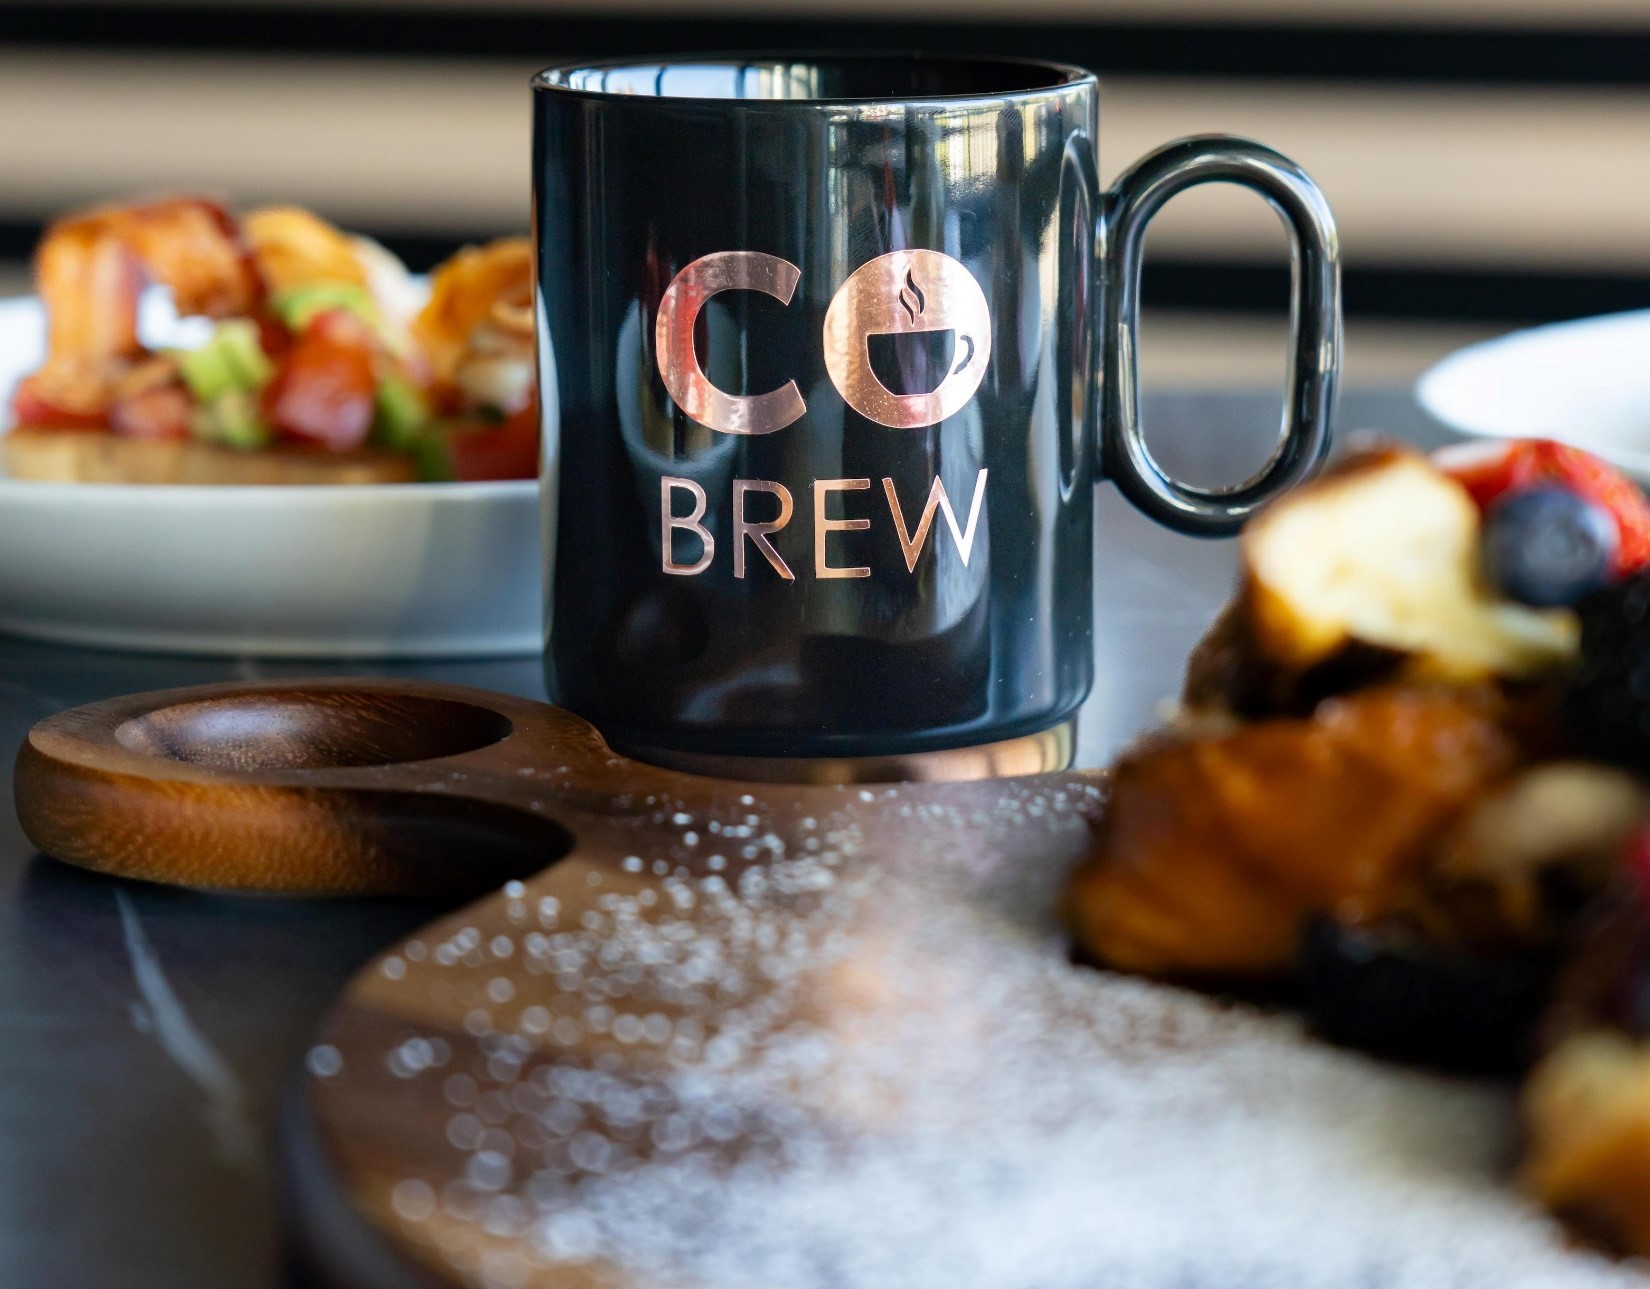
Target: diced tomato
[(162, 412), (30, 408), (508, 450), (1635, 861), (1489, 473), (342, 327), (273, 337), (323, 392)]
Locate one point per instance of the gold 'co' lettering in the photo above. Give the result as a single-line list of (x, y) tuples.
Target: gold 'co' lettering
[(907, 293), (679, 364), (901, 293)]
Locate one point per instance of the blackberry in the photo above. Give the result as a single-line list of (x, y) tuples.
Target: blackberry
[(1391, 992), (1607, 700)]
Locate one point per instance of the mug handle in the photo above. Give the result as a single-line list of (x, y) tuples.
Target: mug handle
[(1315, 344)]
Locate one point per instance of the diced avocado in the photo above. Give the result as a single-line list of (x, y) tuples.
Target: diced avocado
[(401, 423), (245, 352), (400, 415), (231, 360), (435, 463), (297, 306), (232, 420), (207, 371)]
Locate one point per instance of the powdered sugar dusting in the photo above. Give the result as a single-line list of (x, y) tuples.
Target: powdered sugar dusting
[(796, 1069)]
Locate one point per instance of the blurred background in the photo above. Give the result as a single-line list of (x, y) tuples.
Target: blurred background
[(1489, 160)]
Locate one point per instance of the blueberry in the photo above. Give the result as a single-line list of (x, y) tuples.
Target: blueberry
[(1548, 547)]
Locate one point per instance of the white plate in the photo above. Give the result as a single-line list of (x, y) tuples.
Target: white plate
[(1585, 383), (402, 570)]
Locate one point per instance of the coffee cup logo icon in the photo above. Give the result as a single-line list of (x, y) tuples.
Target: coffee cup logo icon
[(907, 293)]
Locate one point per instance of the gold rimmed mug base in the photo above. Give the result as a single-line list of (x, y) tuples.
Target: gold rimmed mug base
[(1050, 749)]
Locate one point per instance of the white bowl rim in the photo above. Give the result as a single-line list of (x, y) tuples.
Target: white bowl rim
[(80, 494), (1468, 354), (1429, 388)]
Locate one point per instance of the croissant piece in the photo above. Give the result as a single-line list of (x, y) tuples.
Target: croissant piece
[(1215, 849)]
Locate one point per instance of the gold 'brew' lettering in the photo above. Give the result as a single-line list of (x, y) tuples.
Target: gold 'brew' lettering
[(758, 532), (823, 526), (669, 523), (912, 544)]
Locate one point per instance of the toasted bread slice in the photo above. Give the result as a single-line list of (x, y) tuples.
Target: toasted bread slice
[(1215, 849), (1369, 573), (1385, 552), (1586, 1113), (62, 456)]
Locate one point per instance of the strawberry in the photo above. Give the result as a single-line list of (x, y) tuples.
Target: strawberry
[(1635, 860), (1488, 473)]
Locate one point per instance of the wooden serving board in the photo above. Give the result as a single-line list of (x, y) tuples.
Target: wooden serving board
[(706, 1033), (393, 787)]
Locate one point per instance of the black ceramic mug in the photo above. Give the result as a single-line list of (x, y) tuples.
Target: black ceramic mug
[(833, 349)]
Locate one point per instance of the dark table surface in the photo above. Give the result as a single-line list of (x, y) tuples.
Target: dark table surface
[(148, 1032)]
